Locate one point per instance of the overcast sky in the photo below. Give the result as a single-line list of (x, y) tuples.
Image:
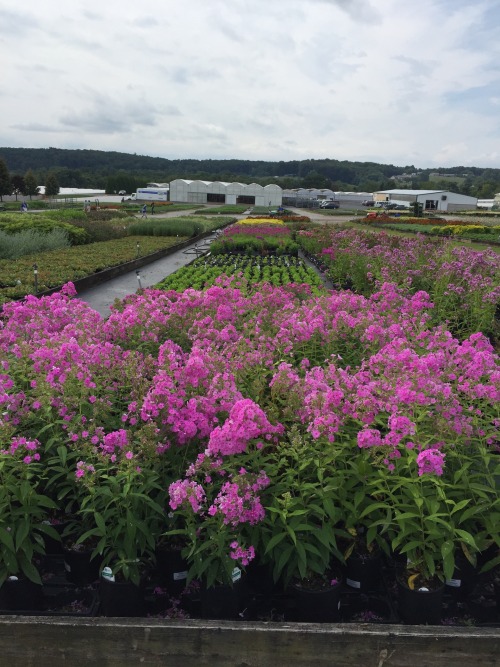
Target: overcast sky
[(391, 81)]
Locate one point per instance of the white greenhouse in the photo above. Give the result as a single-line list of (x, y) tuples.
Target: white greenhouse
[(217, 192)]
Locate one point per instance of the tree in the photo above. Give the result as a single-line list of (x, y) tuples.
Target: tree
[(30, 186), (51, 185), (17, 182), (5, 184)]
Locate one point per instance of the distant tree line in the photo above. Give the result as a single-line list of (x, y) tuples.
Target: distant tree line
[(114, 171)]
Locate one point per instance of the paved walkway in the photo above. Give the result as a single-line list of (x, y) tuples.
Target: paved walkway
[(101, 297)]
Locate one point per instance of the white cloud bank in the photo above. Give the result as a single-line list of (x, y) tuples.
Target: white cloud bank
[(369, 80)]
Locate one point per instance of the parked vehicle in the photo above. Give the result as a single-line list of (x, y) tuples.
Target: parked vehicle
[(122, 192), (368, 202), (152, 194), (330, 204)]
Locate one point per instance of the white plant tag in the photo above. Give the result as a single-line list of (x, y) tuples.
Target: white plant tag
[(179, 576), (236, 574), (456, 583), (352, 583)]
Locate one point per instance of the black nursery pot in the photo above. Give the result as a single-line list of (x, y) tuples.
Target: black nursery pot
[(317, 606), (464, 579), (420, 608), (121, 598), (221, 602), (80, 568), (21, 595), (363, 572), (172, 569)]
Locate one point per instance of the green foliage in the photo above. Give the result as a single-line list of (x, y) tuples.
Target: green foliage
[(248, 272), (187, 226), (124, 509), (5, 184), (23, 513), (42, 223), (51, 185), (30, 241), (303, 519), (252, 245)]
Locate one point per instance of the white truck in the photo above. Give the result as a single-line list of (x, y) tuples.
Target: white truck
[(149, 194)]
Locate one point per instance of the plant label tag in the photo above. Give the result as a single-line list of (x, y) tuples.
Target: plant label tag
[(179, 576), (236, 575), (67, 567), (352, 583), (455, 583)]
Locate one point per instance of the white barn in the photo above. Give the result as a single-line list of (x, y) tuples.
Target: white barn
[(218, 192), (432, 200)]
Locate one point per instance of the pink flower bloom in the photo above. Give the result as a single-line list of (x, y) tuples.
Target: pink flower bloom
[(430, 461)]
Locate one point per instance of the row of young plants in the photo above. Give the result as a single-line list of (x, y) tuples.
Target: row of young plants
[(463, 284), (274, 427), (486, 233), (56, 267), (246, 273), (186, 226), (256, 236)]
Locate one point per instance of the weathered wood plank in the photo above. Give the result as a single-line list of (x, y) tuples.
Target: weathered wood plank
[(101, 642)]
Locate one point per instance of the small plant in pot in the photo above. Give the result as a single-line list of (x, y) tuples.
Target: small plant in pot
[(425, 529), (216, 506), (24, 526), (300, 532), (123, 515)]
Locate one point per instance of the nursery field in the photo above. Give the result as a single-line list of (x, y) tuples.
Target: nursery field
[(57, 267), (68, 245), (247, 272), (229, 452)]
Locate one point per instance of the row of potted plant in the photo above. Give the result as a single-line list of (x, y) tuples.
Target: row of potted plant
[(246, 272), (56, 267)]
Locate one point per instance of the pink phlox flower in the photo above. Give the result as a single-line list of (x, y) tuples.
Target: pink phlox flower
[(431, 462)]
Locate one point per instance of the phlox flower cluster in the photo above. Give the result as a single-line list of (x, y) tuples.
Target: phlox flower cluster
[(245, 556), (83, 469), (430, 462), (23, 449), (186, 491)]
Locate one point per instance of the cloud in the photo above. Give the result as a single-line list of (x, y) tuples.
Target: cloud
[(35, 127), (377, 80), (106, 116)]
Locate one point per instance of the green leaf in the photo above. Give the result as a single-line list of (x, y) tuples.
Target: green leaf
[(459, 506), (100, 523), (291, 532), (6, 539), (467, 538), (447, 548), (274, 541), (22, 532), (31, 572)]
